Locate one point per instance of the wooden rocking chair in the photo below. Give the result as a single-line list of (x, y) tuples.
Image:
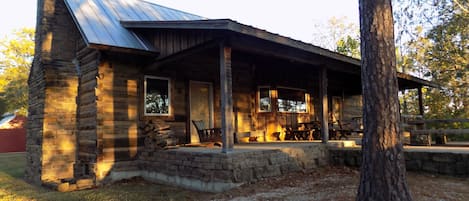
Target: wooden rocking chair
[(207, 134)]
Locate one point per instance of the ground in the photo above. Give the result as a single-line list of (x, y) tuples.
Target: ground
[(329, 183), (340, 183)]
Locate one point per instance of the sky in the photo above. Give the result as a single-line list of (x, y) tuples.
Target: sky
[(16, 14), (292, 18)]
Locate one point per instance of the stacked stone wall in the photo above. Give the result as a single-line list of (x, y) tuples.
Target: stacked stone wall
[(53, 81), (215, 171), (435, 162)]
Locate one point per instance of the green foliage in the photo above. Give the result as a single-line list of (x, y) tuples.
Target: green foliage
[(449, 59), (327, 35), (3, 106), (439, 53), (349, 46), (16, 55)]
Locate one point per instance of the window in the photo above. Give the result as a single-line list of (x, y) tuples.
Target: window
[(264, 99), (291, 100), (157, 95)]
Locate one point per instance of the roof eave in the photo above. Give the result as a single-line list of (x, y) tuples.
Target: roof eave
[(123, 50), (227, 24), (420, 81)]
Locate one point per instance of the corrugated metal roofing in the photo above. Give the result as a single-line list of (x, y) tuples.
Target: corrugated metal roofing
[(99, 20), (6, 118)]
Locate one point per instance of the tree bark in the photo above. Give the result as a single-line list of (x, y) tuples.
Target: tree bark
[(383, 165)]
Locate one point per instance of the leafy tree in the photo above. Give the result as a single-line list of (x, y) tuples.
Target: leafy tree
[(383, 166), (448, 61), (440, 54), (16, 55), (327, 35), (349, 46)]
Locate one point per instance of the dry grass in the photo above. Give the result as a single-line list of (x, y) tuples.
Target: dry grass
[(13, 187), (332, 183)]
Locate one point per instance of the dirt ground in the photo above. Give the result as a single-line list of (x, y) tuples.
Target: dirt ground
[(339, 183)]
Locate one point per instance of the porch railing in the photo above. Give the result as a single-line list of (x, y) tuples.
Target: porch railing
[(422, 130)]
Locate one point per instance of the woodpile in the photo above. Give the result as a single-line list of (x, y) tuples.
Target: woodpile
[(158, 136)]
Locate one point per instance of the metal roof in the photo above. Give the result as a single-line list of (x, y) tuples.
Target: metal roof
[(109, 23), (99, 20), (6, 118)]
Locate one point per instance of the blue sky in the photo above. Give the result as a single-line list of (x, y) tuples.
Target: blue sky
[(293, 18)]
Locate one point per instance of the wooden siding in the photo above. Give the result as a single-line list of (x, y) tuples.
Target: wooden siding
[(353, 107), (173, 41)]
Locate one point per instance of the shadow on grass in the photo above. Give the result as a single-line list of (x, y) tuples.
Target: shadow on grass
[(14, 187)]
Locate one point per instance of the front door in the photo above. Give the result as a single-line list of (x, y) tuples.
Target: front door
[(201, 106), (336, 108)]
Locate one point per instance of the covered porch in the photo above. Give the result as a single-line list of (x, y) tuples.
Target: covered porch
[(249, 82)]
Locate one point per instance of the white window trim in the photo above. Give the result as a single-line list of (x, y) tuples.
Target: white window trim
[(298, 89), (259, 99), (145, 95)]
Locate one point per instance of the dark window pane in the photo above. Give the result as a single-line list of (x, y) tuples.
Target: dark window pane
[(291, 100), (157, 96), (264, 99)]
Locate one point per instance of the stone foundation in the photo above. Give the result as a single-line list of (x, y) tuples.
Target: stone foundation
[(446, 162), (207, 169)]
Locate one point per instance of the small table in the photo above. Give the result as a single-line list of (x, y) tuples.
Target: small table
[(305, 132), (301, 134)]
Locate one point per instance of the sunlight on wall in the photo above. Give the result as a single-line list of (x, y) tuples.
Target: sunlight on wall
[(105, 130), (47, 43), (132, 115), (59, 139), (274, 122)]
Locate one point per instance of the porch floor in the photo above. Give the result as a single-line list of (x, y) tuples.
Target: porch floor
[(261, 146)]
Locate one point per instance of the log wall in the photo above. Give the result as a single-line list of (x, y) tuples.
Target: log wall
[(86, 109), (117, 100)]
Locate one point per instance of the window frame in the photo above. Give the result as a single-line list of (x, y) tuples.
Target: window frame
[(168, 80), (297, 89), (259, 99)]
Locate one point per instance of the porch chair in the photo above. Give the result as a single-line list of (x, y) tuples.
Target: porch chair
[(342, 132), (207, 134)]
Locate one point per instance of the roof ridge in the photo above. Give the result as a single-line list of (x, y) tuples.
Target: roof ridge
[(155, 4)]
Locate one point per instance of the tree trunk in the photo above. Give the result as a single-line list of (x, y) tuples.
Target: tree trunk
[(383, 165)]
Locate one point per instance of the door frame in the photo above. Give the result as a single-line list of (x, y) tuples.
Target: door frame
[(210, 105)]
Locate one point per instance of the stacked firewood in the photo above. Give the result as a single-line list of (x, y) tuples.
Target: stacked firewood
[(158, 136)]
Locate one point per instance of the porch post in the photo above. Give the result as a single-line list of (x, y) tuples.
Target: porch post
[(324, 105), (226, 98), (420, 101)]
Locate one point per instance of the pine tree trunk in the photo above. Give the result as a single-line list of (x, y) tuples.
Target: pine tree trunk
[(383, 166)]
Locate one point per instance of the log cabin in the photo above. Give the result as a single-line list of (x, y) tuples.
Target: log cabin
[(105, 68)]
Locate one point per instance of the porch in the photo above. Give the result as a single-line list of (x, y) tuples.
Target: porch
[(242, 84)]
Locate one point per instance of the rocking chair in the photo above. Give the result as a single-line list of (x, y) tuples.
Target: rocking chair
[(207, 134)]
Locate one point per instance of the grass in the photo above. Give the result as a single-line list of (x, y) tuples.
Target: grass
[(14, 187)]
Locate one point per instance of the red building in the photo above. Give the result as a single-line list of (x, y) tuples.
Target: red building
[(12, 133)]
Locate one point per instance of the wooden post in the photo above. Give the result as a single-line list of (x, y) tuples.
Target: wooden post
[(226, 98), (420, 101), (324, 105)]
